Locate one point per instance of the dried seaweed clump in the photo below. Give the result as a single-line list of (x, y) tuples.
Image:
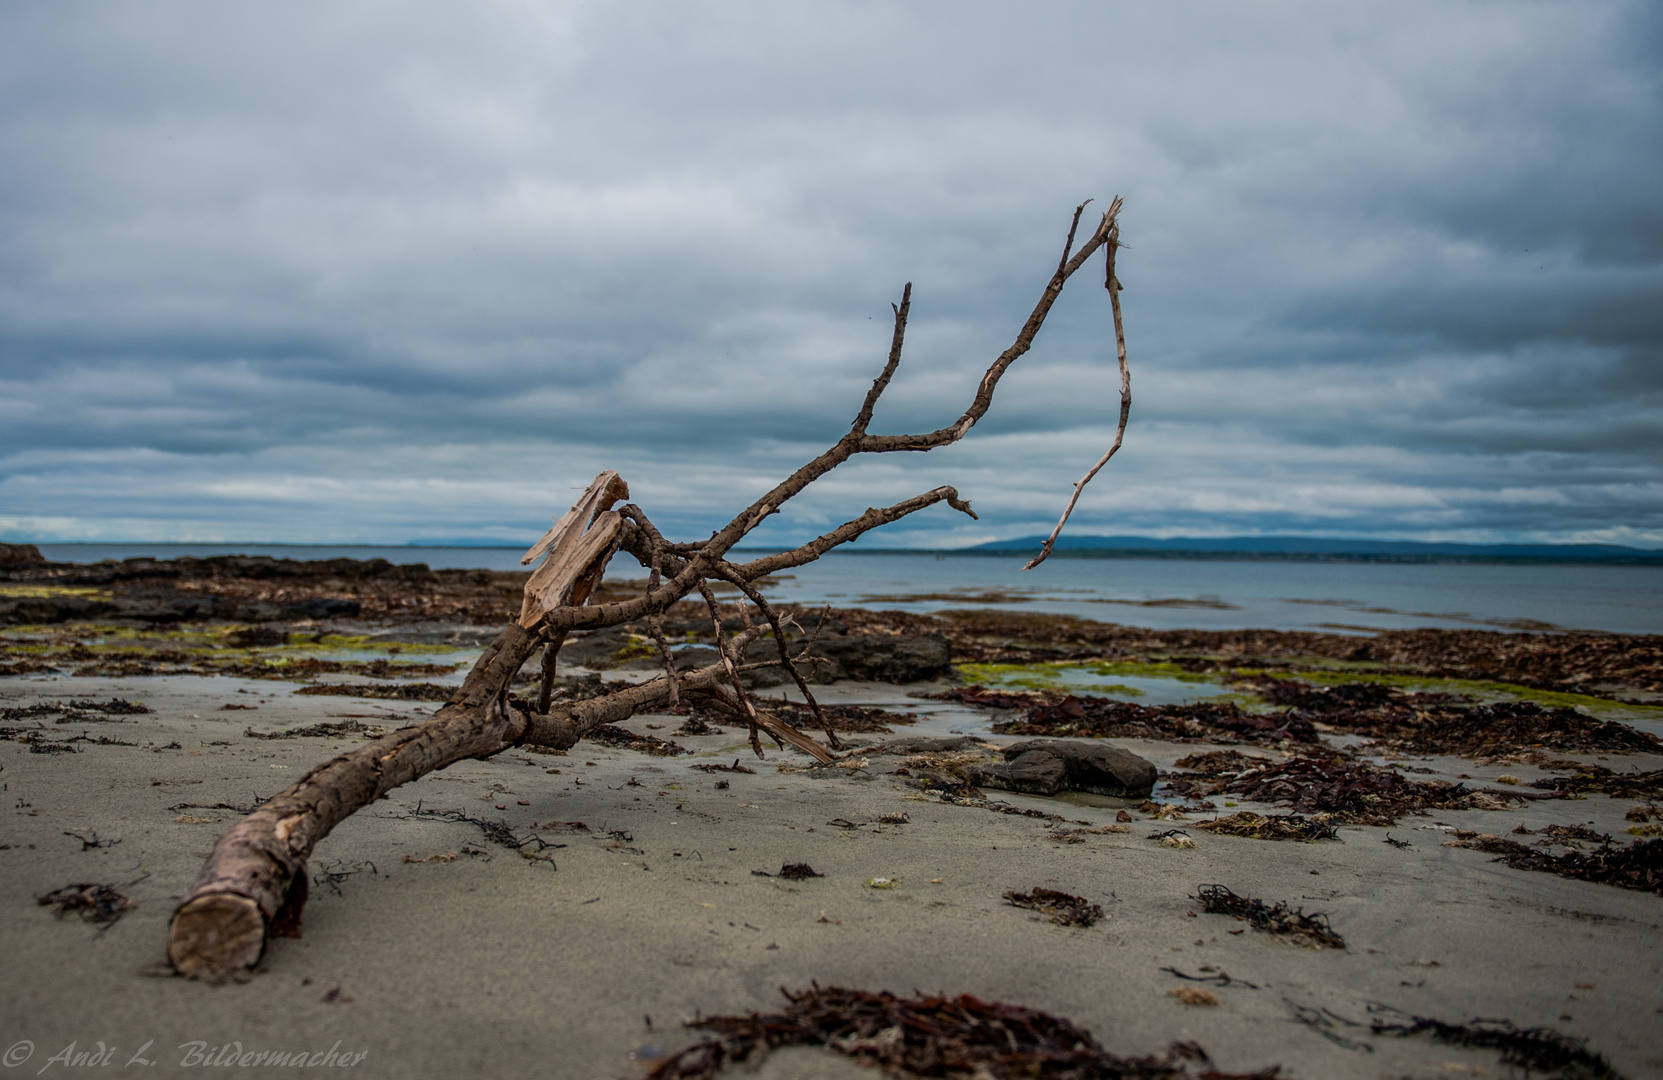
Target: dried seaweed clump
[(1638, 866), (955, 1037), (1538, 1051), (1060, 907), (613, 735), (844, 718), (1278, 920), (320, 731), (1103, 718), (1353, 792), (75, 712), (421, 691), (1596, 779), (1509, 727), (1273, 827), (95, 903)]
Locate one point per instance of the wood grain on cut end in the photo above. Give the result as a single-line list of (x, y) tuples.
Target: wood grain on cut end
[(215, 936)]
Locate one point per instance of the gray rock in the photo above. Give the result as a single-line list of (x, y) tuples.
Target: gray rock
[(1095, 767), (882, 658), (1036, 772)]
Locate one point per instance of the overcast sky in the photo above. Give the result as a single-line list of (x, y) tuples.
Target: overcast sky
[(357, 271)]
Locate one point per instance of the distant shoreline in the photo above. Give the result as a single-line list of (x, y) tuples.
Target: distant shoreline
[(1633, 557)]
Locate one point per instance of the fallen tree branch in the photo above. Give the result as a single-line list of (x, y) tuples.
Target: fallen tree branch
[(253, 884)]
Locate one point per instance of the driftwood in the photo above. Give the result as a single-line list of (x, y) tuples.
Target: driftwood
[(254, 882)]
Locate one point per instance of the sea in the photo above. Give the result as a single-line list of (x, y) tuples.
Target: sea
[(1211, 594)]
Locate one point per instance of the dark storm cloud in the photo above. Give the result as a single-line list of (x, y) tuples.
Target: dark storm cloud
[(366, 271)]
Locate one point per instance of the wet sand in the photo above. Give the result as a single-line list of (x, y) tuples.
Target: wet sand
[(484, 962)]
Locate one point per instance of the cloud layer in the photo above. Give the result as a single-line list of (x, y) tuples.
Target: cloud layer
[(374, 272)]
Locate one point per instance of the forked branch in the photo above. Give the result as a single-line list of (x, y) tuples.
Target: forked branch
[(254, 881)]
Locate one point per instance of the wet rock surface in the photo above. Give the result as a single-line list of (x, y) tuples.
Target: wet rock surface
[(1049, 766)]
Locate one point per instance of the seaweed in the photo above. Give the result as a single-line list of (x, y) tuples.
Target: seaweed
[(1352, 792), (613, 735), (1638, 866), (846, 718), (95, 903), (1538, 1049), (734, 768), (319, 731), (1596, 779), (420, 691), (1100, 718), (959, 1037), (76, 712), (1060, 907), (1290, 925), (799, 871), (1273, 827)]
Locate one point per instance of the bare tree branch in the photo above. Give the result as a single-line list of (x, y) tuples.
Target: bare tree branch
[(1113, 286), (255, 878)]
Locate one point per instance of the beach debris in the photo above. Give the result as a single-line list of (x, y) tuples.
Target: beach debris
[(1399, 844), (500, 832), (613, 735), (800, 871), (332, 875), (1436, 723), (1327, 1023), (883, 883), (734, 768), (857, 719), (1049, 766), (961, 1037), (1637, 866), (416, 691), (1218, 978), (695, 726), (76, 712), (437, 857), (95, 903), (1106, 718), (845, 823), (1066, 835), (1273, 827), (1644, 812), (1061, 908), (1277, 920), (1193, 995), (1538, 1050), (92, 843), (894, 818), (320, 731), (1173, 838), (1598, 780), (1351, 792)]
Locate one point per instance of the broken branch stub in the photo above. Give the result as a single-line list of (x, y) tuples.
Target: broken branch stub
[(253, 884)]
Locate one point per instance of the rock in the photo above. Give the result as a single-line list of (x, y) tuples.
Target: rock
[(1036, 772), (20, 555), (322, 607), (1095, 767), (883, 658)]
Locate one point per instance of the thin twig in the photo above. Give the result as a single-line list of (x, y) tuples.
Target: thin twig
[(882, 382), (730, 574), (748, 710), (656, 626), (1112, 284)]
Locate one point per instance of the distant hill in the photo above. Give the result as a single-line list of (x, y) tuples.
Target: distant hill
[(1319, 548)]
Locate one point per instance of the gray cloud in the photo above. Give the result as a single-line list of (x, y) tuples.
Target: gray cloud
[(366, 272)]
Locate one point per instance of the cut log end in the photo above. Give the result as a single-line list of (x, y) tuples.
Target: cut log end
[(213, 937)]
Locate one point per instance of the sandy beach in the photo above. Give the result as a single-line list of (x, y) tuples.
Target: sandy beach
[(653, 896)]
